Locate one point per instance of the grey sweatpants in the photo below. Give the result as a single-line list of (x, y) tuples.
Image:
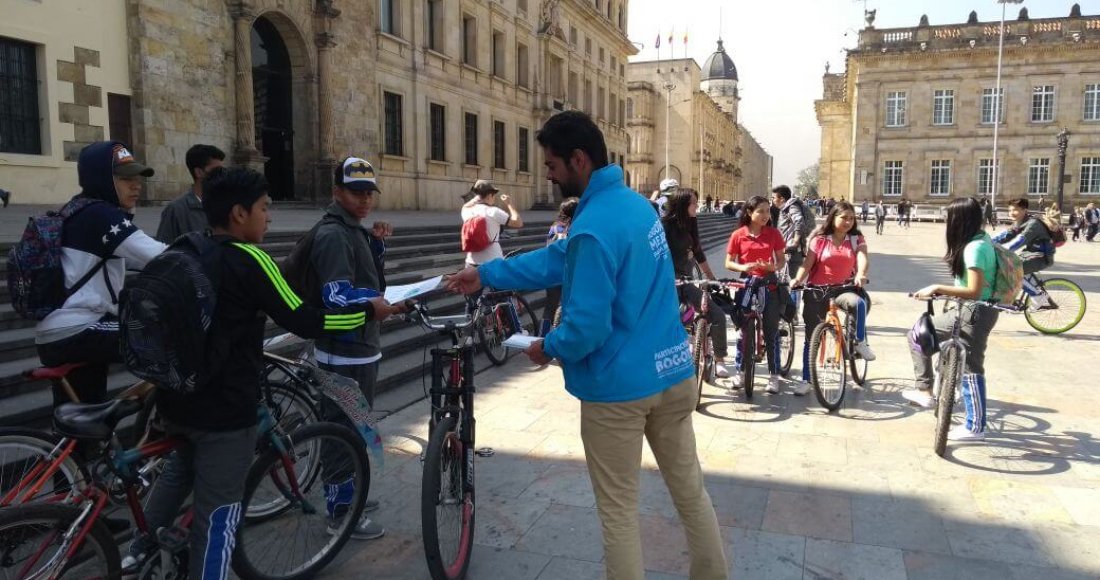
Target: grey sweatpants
[(977, 323)]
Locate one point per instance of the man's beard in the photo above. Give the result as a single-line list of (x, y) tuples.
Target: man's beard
[(571, 187)]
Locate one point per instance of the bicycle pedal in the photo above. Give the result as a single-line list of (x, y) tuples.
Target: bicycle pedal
[(173, 539), (485, 452)]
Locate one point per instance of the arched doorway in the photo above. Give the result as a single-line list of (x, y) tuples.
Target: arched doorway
[(272, 86)]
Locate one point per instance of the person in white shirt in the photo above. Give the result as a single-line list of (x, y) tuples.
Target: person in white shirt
[(483, 204), (660, 197)]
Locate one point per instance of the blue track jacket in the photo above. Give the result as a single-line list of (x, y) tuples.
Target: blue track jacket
[(620, 337)]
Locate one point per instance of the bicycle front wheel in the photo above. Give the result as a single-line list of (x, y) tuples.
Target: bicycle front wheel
[(1065, 311), (828, 367), (786, 346), (950, 375), (24, 457), (490, 334), (294, 528), (748, 355), (33, 539), (446, 505)]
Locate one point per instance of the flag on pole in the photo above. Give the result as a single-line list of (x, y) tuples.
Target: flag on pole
[(658, 46), (685, 39)]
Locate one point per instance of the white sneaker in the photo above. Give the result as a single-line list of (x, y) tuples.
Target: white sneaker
[(920, 397), (800, 388), (773, 385), (721, 370), (865, 351), (961, 433)]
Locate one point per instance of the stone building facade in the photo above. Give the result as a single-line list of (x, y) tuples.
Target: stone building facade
[(65, 84), (913, 114), (697, 107), (757, 176)]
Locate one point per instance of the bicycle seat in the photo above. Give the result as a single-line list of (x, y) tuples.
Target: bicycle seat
[(92, 420), (52, 373)]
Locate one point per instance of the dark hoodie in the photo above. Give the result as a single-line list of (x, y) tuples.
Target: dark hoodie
[(95, 170)]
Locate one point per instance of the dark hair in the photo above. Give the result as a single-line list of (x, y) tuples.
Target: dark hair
[(1019, 202), (783, 191), (829, 226), (225, 188), (567, 209), (677, 209), (747, 209), (199, 156), (964, 221), (571, 130)]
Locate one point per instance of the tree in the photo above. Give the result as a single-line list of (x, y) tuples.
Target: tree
[(806, 185)]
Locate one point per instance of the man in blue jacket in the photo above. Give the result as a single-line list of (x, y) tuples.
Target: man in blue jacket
[(622, 347)]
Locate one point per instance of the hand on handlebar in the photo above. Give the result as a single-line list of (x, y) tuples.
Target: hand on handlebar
[(465, 281), (860, 281), (925, 293)]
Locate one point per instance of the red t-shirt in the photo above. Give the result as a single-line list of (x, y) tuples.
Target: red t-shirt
[(835, 264), (749, 248)]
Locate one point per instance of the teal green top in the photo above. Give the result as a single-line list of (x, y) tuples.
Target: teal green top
[(979, 254)]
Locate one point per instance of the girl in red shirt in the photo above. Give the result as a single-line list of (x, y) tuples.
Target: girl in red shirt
[(756, 248), (836, 254)]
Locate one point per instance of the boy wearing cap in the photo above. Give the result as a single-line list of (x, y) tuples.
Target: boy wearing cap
[(483, 204), (100, 237)]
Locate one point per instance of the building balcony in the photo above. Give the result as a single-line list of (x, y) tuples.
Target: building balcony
[(974, 34)]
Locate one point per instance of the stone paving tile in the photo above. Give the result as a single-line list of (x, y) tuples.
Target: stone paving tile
[(737, 505), (664, 545), (502, 521), (826, 559), (927, 566), (1018, 501), (562, 484), (507, 475), (816, 515), (507, 441), (1072, 547), (565, 531), (996, 541), (765, 555), (653, 496), (560, 446), (817, 449), (897, 524), (1083, 505), (486, 562), (561, 568)]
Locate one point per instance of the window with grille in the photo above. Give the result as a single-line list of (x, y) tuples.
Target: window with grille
[(943, 107), (895, 109), (940, 181), (892, 174), (524, 160), (471, 139), (1092, 102), (990, 102), (985, 176), (1090, 175), (438, 121), (20, 125), (393, 128), (498, 145), (1042, 104), (1038, 176)]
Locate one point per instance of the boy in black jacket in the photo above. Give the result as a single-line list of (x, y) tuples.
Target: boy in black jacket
[(218, 420)]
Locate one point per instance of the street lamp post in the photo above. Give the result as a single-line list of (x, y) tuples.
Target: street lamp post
[(998, 99), (668, 119), (1063, 143)]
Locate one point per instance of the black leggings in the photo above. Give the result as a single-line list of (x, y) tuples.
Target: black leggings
[(96, 345)]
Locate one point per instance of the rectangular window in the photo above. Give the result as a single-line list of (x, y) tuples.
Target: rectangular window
[(600, 107), (588, 97), (1042, 104), (1090, 175), (895, 109), (602, 55), (622, 112), (892, 174), (118, 118), (524, 160), (387, 16), (943, 107), (20, 125), (588, 46), (985, 176), (574, 93), (393, 129), (469, 40), (940, 182), (471, 139), (498, 145), (990, 102), (521, 5), (438, 120), (573, 36), (522, 66), (613, 108), (498, 53), (1038, 176), (1092, 102), (435, 25)]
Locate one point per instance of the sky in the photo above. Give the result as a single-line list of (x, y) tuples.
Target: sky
[(780, 48)]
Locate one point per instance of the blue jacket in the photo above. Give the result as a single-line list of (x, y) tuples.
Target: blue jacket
[(620, 337)]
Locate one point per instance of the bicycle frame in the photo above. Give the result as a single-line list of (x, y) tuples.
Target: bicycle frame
[(832, 317)]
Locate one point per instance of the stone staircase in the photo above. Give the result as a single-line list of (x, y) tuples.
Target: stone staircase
[(413, 254)]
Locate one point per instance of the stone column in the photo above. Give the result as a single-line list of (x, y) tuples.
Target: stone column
[(325, 41), (245, 152)]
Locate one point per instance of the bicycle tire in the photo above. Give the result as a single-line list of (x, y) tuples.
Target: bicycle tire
[(289, 406), (950, 376), (254, 556), (21, 450), (1061, 292), (445, 445), (698, 350), (531, 325), (787, 344), (490, 337), (819, 367), (97, 544), (856, 364), (748, 355)]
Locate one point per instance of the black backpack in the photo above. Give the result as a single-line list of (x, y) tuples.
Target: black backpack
[(166, 312)]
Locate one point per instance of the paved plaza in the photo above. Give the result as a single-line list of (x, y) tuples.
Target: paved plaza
[(799, 492)]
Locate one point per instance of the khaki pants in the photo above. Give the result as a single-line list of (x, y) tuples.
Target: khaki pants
[(612, 435)]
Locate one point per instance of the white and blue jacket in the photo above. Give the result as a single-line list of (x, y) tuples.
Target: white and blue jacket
[(620, 337)]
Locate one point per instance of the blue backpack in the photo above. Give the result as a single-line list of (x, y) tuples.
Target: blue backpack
[(35, 279)]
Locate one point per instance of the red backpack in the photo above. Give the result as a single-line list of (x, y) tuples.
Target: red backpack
[(475, 234)]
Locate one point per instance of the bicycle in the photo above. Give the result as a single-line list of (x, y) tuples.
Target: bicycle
[(752, 344), (506, 313), (698, 329), (1065, 308), (447, 501), (831, 351)]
